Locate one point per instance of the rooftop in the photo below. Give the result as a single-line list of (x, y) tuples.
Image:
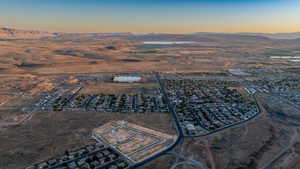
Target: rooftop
[(135, 142)]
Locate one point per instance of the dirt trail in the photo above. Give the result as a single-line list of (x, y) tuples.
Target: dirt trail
[(210, 154), (280, 154)]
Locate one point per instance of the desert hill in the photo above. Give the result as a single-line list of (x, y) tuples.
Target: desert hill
[(290, 36), (285, 36), (202, 37), (11, 33)]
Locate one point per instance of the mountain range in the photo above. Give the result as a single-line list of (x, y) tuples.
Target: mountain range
[(12, 33)]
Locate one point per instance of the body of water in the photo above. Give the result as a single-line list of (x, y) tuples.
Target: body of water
[(285, 57), (290, 58), (167, 42)]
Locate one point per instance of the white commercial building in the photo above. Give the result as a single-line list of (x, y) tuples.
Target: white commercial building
[(127, 79)]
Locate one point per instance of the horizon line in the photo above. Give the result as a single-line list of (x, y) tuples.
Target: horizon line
[(67, 32)]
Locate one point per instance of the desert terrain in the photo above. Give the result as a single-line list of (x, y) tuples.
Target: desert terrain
[(34, 65)]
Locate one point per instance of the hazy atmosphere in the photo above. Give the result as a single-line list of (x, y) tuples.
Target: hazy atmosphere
[(147, 16)]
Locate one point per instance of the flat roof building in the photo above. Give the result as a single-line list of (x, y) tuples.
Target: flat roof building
[(127, 78)]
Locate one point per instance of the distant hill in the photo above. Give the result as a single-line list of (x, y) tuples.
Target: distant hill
[(96, 35), (11, 33), (293, 35), (295, 41), (201, 37)]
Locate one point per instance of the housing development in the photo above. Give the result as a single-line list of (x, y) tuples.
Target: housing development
[(137, 103), (198, 110), (89, 157), (203, 109)]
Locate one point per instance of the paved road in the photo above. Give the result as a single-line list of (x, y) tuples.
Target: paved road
[(178, 127), (187, 160), (180, 135), (170, 106)]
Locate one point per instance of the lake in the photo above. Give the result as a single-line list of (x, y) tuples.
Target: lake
[(285, 57), (167, 42)]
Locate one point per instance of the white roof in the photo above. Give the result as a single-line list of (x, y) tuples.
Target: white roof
[(127, 78)]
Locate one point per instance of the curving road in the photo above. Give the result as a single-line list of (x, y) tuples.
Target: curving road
[(178, 127), (187, 160)]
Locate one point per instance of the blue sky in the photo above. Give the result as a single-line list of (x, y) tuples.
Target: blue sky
[(144, 16)]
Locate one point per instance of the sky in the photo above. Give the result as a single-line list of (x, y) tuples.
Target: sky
[(152, 16)]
